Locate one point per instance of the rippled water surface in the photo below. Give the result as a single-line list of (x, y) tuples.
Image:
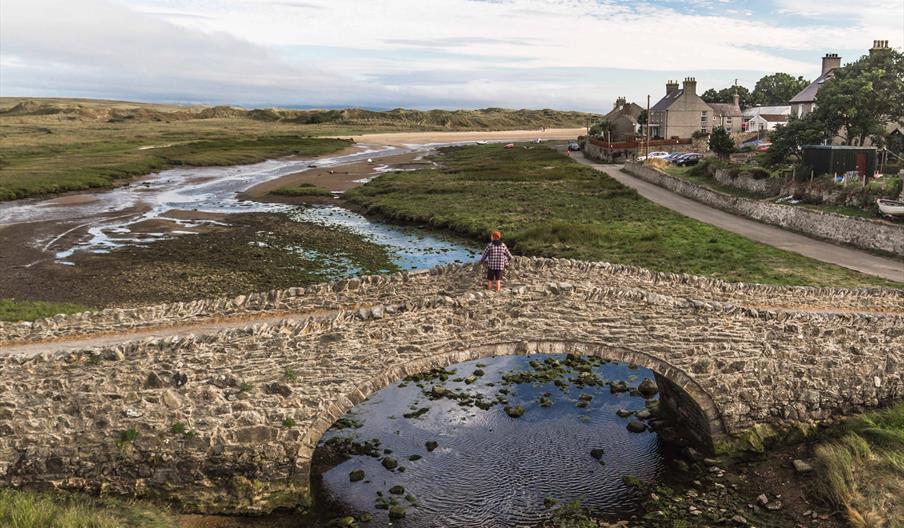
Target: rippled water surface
[(490, 469)]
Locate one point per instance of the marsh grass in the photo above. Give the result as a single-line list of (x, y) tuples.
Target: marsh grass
[(28, 509), (303, 189), (862, 470), (19, 310), (549, 205)]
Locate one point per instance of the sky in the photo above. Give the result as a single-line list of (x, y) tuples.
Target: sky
[(563, 54)]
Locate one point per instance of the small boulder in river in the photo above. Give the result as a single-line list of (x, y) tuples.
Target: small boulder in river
[(515, 412), (431, 445), (390, 463), (624, 413), (397, 490), (618, 386), (396, 512), (647, 388), (356, 475), (597, 453), (636, 426)]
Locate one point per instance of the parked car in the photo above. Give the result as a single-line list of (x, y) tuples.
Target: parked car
[(574, 146), (763, 147), (689, 159), (640, 158), (671, 158), (658, 155)]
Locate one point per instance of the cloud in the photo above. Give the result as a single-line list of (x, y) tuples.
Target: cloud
[(532, 53)]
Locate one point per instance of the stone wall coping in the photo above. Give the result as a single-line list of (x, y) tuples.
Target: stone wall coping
[(173, 314)]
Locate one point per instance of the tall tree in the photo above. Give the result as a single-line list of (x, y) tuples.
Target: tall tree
[(777, 89), (726, 95), (600, 128), (863, 97), (788, 139)]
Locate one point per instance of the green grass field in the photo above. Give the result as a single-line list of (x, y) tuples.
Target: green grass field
[(20, 310), (548, 205)]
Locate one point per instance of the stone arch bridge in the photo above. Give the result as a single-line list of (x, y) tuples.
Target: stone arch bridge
[(218, 404)]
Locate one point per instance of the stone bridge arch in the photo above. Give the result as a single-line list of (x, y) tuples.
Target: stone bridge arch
[(680, 394)]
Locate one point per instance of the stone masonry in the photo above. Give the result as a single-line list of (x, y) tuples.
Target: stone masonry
[(224, 417)]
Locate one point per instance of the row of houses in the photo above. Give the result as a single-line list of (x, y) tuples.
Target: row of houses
[(681, 112)]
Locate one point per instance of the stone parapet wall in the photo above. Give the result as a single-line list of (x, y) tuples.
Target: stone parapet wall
[(372, 290), (872, 235), (253, 401)]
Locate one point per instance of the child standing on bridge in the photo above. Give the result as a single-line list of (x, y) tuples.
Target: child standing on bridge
[(496, 256)]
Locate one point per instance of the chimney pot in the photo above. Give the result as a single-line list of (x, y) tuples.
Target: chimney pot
[(830, 62)]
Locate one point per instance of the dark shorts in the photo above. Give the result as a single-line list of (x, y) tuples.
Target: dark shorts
[(494, 275)]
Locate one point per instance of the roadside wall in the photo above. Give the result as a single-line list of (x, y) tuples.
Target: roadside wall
[(863, 233), (746, 182)]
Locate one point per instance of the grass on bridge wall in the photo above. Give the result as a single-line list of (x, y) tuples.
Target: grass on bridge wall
[(548, 205), (28, 509)]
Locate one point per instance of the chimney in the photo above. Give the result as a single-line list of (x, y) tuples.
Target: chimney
[(737, 99), (878, 46), (690, 85), (830, 62), (671, 87)]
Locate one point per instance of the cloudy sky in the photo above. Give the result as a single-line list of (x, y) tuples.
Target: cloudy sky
[(566, 54)]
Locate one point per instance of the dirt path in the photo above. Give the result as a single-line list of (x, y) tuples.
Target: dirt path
[(862, 261)]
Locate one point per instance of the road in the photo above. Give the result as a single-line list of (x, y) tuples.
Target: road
[(862, 261)]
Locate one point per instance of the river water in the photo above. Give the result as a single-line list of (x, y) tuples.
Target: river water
[(489, 469), (116, 218)]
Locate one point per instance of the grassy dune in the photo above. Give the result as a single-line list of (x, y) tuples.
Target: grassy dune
[(58, 145), (549, 205)]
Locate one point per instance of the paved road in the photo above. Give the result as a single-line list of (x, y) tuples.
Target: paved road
[(861, 261)]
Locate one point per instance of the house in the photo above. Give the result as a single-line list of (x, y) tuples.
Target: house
[(805, 101), (765, 122), (728, 115), (681, 112), (753, 111), (624, 119)]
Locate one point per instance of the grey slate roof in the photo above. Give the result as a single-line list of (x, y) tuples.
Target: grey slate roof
[(630, 109), (808, 94), (667, 101), (774, 118), (725, 109)]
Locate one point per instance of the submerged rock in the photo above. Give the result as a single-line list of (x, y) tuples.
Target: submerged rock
[(597, 453), (390, 463), (430, 445), (647, 388), (636, 426), (515, 412), (396, 512), (356, 475), (397, 490)]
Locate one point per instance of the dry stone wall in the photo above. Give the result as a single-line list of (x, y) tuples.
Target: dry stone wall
[(228, 421), (873, 235)]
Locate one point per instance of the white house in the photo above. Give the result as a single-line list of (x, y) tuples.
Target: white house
[(750, 113), (765, 122)]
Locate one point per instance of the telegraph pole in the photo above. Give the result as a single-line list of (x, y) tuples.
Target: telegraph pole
[(647, 148)]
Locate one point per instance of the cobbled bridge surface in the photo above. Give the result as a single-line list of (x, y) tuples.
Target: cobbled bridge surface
[(219, 404)]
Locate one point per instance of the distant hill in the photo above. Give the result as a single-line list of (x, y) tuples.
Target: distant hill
[(119, 111)]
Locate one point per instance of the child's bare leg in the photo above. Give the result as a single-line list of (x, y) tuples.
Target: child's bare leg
[(498, 285), (489, 285)]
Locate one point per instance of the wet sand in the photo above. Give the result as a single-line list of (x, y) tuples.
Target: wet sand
[(336, 178)]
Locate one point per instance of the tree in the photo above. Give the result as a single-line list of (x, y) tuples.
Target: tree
[(777, 89), (726, 95), (788, 139), (721, 143), (861, 98), (600, 128)]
